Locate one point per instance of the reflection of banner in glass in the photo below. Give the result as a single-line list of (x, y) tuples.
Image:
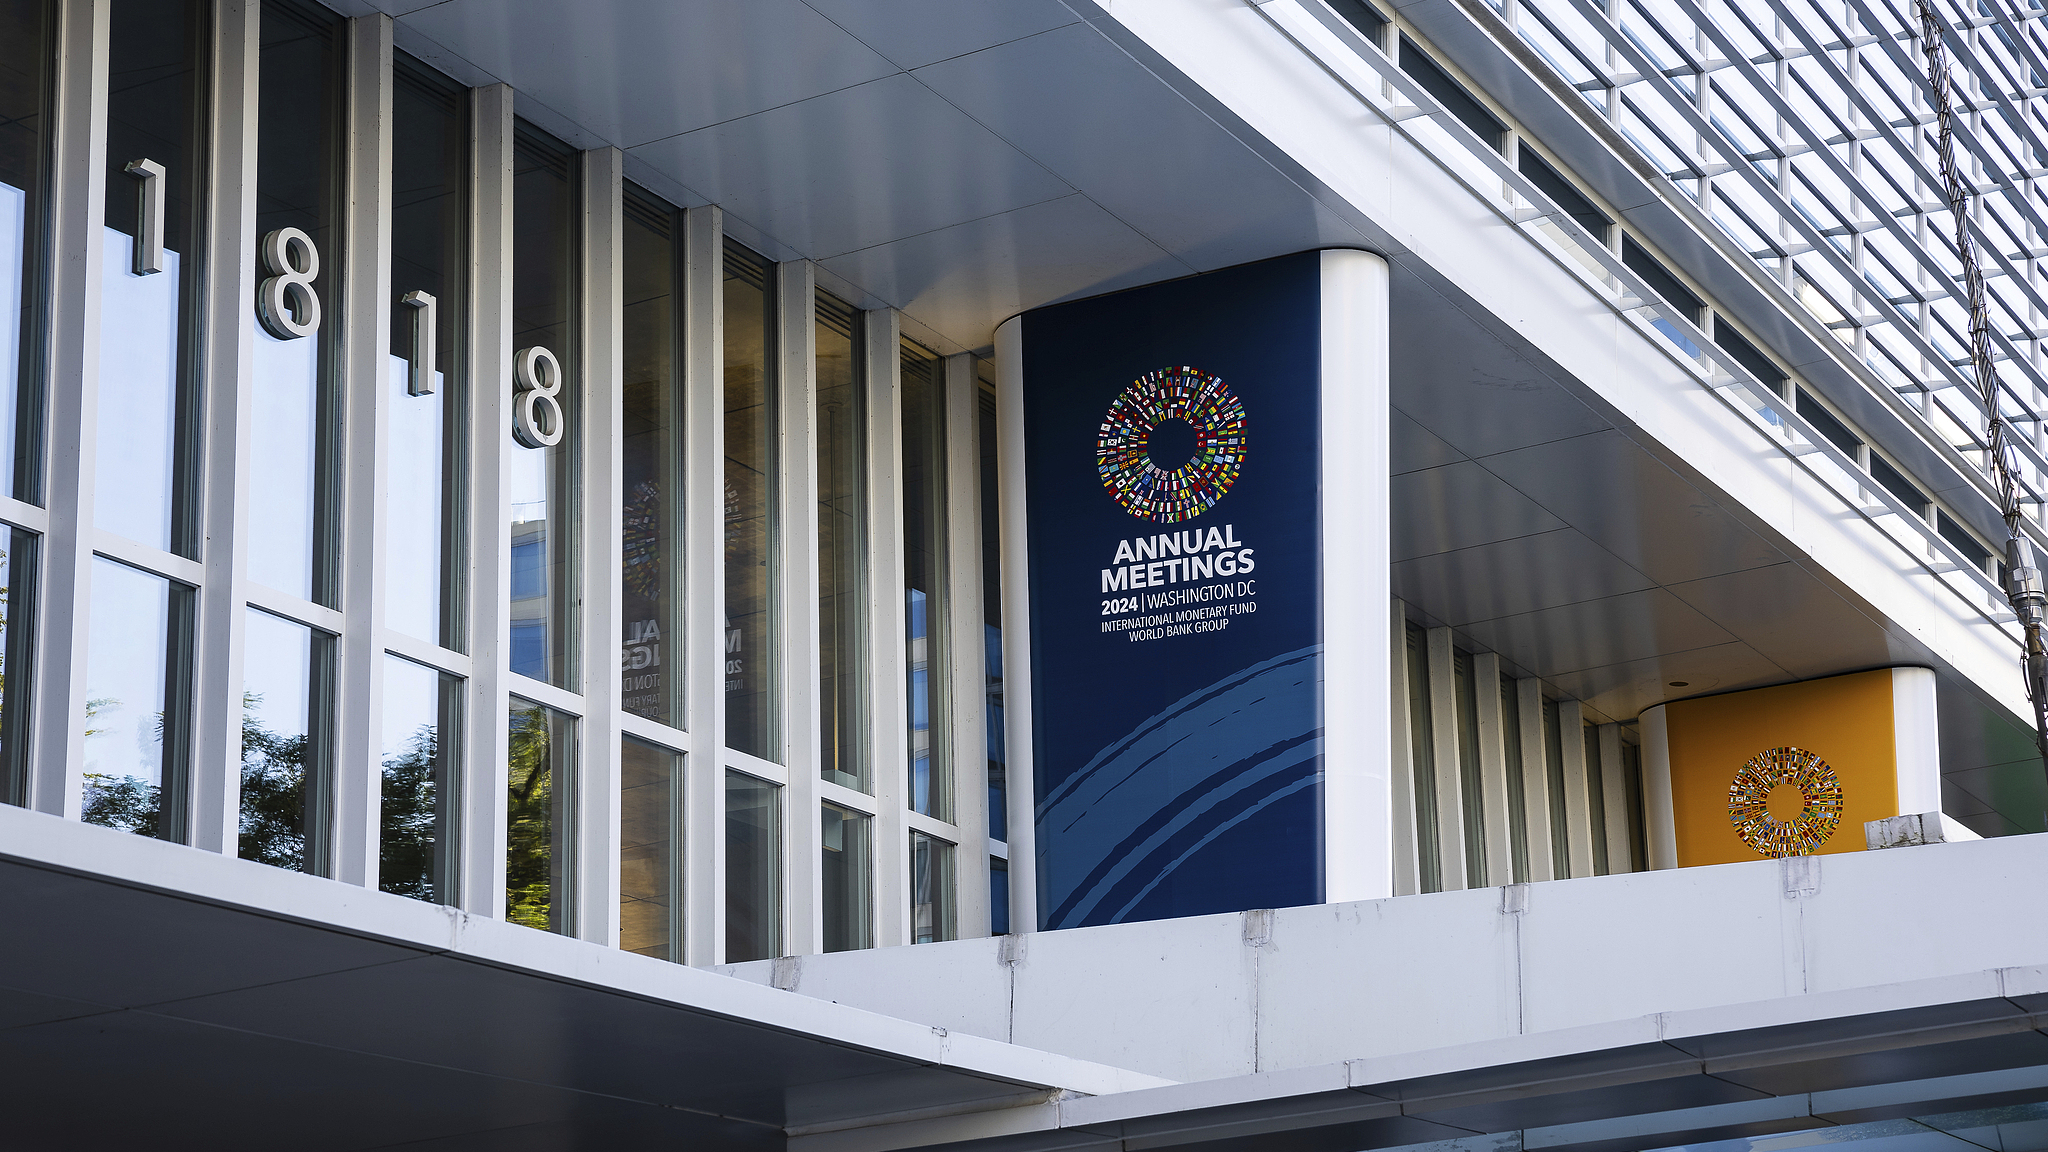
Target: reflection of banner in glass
[(1176, 631)]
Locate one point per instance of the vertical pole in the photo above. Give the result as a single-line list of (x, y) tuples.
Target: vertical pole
[(1493, 768), (601, 378), (888, 649), (78, 183), (1356, 580), (796, 338), (1023, 792), (967, 662), (1578, 799), (1450, 780), (1535, 781), (704, 531), (482, 795), (362, 369)]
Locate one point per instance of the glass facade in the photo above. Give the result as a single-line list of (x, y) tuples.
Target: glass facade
[(650, 850), (753, 868), (650, 519), (239, 748), (155, 165), (27, 28), (137, 707), (931, 889), (425, 490), (287, 743), (540, 779), (546, 487), (752, 550), (846, 880), (19, 563), (26, 31), (842, 546), (924, 574), (294, 405), (418, 757), (998, 896)]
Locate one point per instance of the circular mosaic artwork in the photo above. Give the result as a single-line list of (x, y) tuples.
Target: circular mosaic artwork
[(1820, 812), (1123, 446)]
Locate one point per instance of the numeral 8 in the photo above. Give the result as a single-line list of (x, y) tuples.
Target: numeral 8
[(290, 283), (537, 376)]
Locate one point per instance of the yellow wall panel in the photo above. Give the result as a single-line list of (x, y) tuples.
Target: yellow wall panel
[(1845, 720)]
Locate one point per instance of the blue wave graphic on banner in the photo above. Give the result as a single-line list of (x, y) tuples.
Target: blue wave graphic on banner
[(1164, 794)]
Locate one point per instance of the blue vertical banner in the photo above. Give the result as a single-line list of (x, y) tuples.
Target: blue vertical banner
[(1172, 448)]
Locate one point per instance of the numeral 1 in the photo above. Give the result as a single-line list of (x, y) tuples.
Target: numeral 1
[(149, 216), (419, 379)]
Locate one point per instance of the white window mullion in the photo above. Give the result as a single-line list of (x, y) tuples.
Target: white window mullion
[(601, 376), (889, 657), (481, 842), (796, 340), (1535, 780), (1493, 769), (1614, 802), (967, 663), (703, 354), (78, 180), (1407, 867), (227, 367), (361, 369), (1450, 784), (1578, 798)]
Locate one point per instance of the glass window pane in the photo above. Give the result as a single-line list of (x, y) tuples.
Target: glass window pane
[(753, 869), (18, 569), (146, 398), (292, 415), (421, 755), (650, 850), (924, 573), (751, 555), (998, 896), (545, 499), (429, 249), (992, 619), (842, 546), (651, 540), (26, 48), (137, 701), (540, 780), (847, 880), (287, 742), (931, 889)]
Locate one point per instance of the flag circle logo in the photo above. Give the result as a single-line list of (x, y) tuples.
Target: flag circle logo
[(1820, 811), (1125, 442)]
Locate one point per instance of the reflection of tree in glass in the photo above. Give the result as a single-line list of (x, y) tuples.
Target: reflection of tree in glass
[(126, 803), (529, 821), (406, 863), (273, 792)]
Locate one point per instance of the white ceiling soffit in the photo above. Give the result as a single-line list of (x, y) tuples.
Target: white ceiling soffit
[(962, 160)]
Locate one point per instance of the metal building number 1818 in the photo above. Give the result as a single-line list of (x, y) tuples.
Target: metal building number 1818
[(289, 309)]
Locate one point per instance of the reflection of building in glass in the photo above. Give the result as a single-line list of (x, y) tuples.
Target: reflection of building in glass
[(529, 655)]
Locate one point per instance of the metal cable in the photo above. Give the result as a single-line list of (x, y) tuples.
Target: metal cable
[(2023, 588)]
